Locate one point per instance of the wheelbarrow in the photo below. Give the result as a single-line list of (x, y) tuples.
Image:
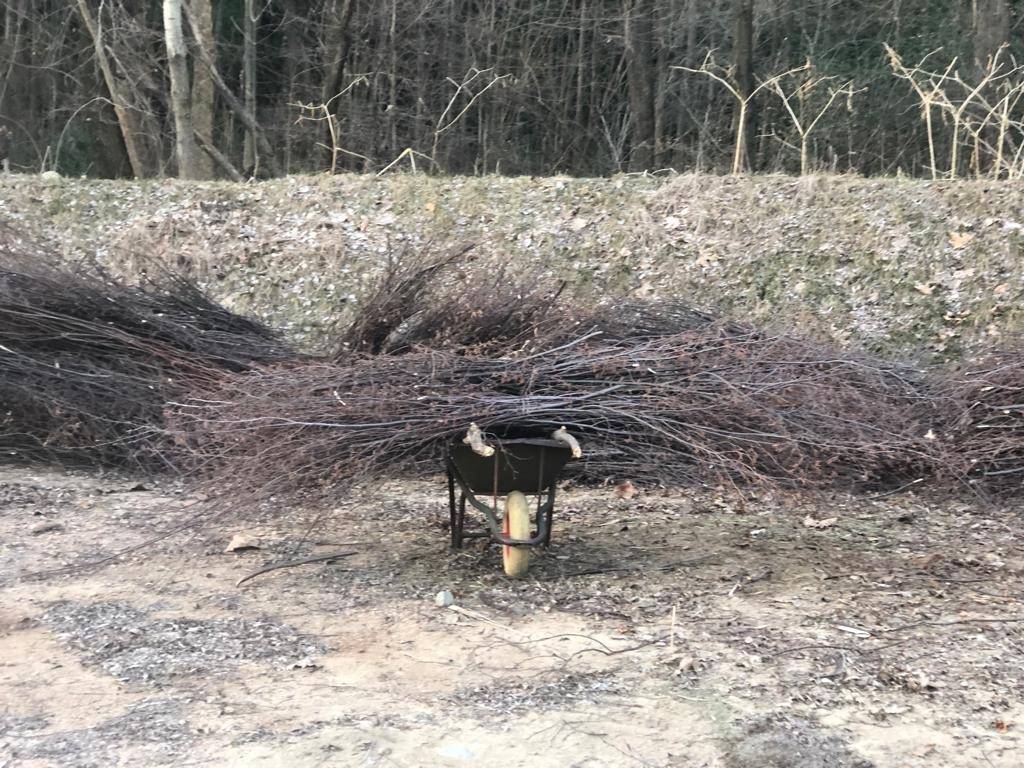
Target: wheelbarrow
[(511, 467)]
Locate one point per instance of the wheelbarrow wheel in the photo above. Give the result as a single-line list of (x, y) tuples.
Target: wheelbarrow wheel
[(517, 525)]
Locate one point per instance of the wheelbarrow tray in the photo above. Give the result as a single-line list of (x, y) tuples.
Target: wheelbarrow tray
[(529, 465)]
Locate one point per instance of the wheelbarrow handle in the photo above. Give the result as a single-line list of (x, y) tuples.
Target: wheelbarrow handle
[(475, 439), (562, 435)]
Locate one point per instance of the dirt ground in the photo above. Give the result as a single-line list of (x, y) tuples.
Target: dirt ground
[(676, 628)]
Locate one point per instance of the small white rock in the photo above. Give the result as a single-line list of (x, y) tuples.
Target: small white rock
[(455, 751), (444, 598), (241, 542)]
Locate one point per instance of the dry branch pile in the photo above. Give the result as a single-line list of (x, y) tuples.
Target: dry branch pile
[(986, 436), (93, 369), (708, 402), (657, 392), (88, 362), (452, 302)]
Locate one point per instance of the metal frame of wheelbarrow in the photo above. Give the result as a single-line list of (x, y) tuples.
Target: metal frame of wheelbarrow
[(551, 457)]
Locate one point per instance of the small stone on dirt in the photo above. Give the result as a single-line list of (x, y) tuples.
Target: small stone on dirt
[(241, 542), (48, 527)]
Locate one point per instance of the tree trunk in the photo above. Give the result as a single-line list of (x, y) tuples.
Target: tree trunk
[(250, 156), (181, 104), (203, 92), (639, 29), (337, 16), (234, 104), (990, 27), (127, 119), (743, 72), (294, 59), (11, 43)]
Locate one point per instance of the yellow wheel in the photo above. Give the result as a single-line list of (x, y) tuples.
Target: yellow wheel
[(517, 526)]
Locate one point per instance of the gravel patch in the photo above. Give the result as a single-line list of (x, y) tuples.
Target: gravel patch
[(130, 645), (781, 741), (520, 696), (156, 730)]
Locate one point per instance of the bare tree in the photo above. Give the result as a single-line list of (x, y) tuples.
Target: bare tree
[(202, 85), (185, 148), (990, 30), (743, 75), (249, 26), (127, 119), (968, 109), (591, 87), (447, 121), (248, 119), (337, 17), (805, 117), (743, 100), (14, 14), (639, 31), (929, 89)]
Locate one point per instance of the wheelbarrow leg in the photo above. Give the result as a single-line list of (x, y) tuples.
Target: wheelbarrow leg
[(549, 515), (461, 519), (454, 518)]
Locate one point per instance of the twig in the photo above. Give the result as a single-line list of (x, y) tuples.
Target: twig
[(292, 564), (1011, 620), (634, 569), (471, 614)]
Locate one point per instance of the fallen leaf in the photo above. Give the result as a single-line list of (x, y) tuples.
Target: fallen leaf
[(626, 490), (925, 288), (924, 562), (828, 522), (706, 260), (960, 239)]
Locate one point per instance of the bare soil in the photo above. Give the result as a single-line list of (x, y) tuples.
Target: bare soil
[(676, 628)]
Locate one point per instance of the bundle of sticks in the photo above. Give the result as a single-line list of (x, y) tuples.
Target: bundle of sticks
[(88, 362), (711, 402), (157, 374), (986, 432)]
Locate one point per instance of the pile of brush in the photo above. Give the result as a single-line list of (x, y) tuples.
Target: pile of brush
[(986, 428), (88, 363), (706, 404), (655, 392), (154, 373)]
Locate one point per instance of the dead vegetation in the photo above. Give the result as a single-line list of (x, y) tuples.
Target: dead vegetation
[(158, 373), (716, 403), (88, 362), (896, 265), (987, 435)]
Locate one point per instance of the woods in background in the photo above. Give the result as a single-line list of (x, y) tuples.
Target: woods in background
[(240, 88)]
